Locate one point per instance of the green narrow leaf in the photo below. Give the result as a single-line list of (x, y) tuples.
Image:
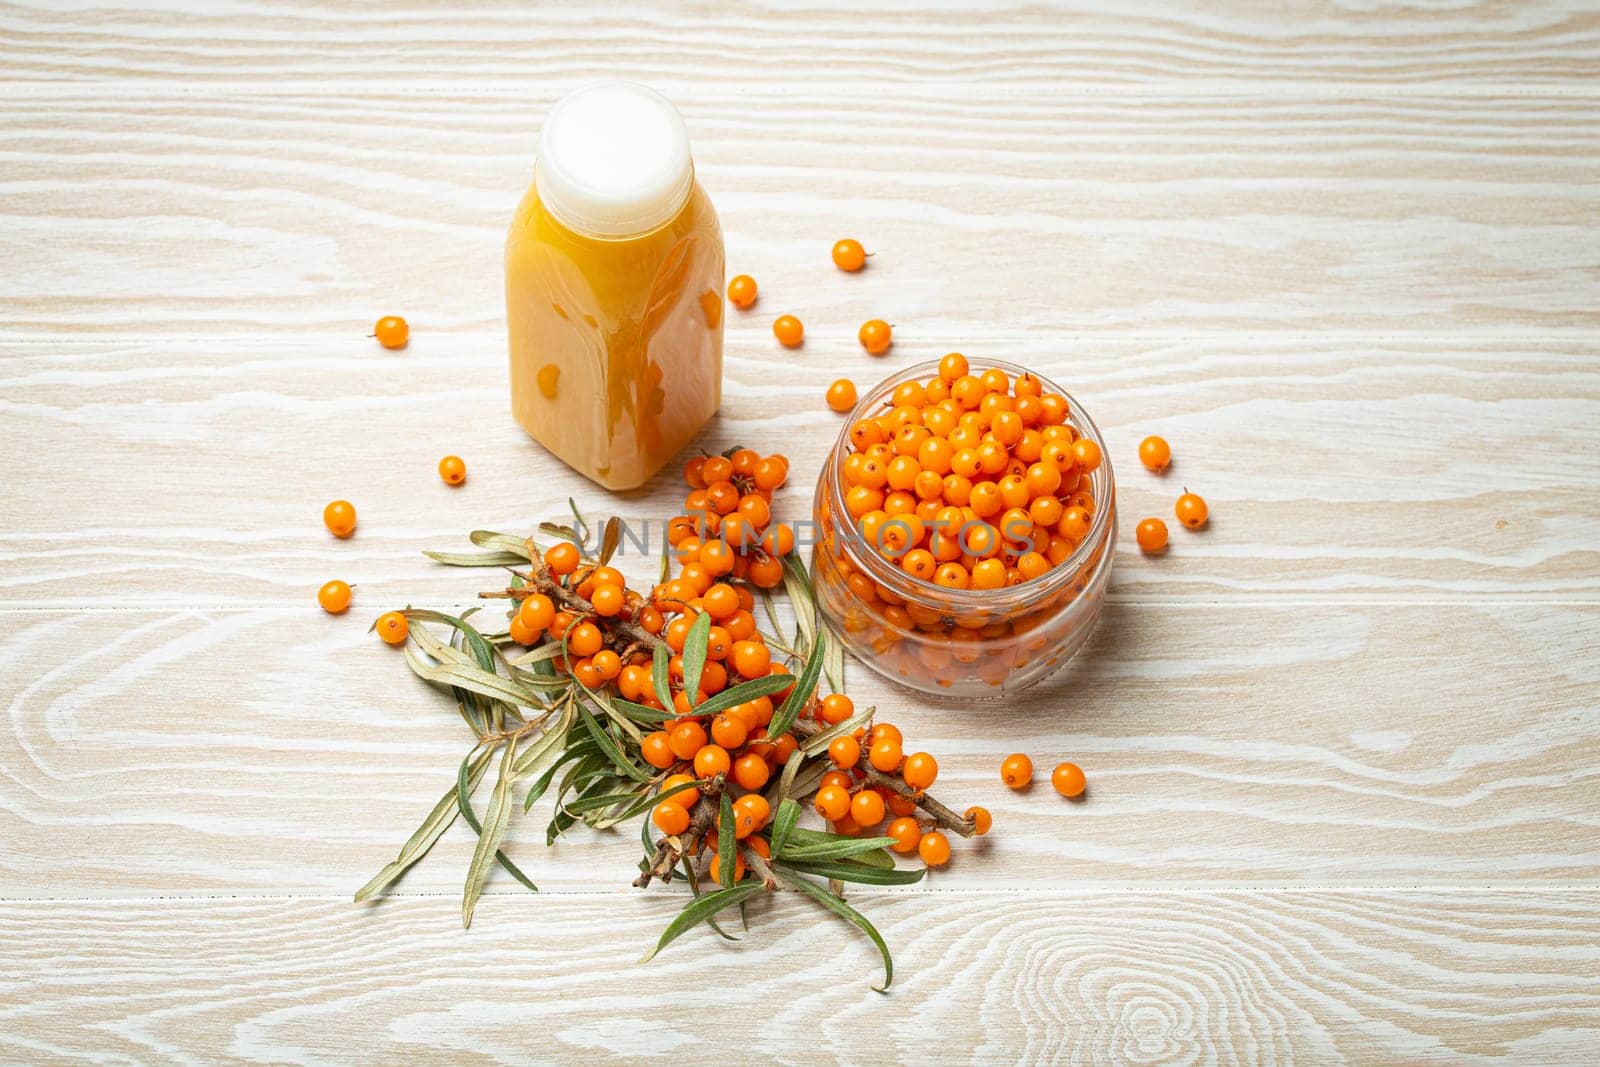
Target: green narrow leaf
[(640, 713), (798, 586), (578, 523), (608, 745), (499, 558), (666, 561), (803, 851), (496, 820), (727, 851), (464, 790), (417, 845), (702, 908), (473, 679), (858, 872), (647, 800), (517, 546), (728, 698), (836, 905), (661, 675), (783, 821), (694, 654), (804, 687), (694, 887), (819, 741)]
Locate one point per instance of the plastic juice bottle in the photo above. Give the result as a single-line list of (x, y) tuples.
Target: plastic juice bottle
[(614, 277)]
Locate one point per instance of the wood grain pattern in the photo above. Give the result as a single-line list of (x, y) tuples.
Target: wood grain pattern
[(724, 48), (994, 978), (231, 214), (281, 750)]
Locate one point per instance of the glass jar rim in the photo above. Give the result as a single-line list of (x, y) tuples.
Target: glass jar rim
[(894, 578)]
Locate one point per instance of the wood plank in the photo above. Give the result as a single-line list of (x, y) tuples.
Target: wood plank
[(1094, 977), (1036, 48), (228, 214), (193, 474), (283, 750)]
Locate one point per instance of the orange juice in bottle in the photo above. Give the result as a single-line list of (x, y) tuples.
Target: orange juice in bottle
[(614, 267)]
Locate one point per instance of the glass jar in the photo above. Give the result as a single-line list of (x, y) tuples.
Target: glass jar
[(957, 642)]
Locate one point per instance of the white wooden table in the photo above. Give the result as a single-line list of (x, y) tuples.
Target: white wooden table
[(1343, 746)]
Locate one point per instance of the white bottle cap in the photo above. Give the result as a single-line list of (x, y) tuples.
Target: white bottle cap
[(613, 160)]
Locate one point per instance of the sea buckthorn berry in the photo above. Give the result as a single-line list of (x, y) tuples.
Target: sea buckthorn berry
[(876, 336), (584, 639), (686, 799), (866, 808), (952, 368), (1016, 770), (720, 600), (885, 731), (919, 563), (750, 813), (906, 833), (770, 472), (392, 331), (920, 770), (845, 752), (952, 576), (712, 760), (729, 732), (752, 659), (751, 771), (788, 330), (838, 778), (1191, 510), (842, 395), (1075, 523), (392, 627), (716, 868), (340, 518), (848, 255), (607, 599), (522, 633), (657, 750), (1151, 534), (561, 558), (537, 611), (742, 291), (988, 574), (1068, 780), (1155, 453), (716, 469), (934, 848), (334, 597), (686, 739), (1087, 454), (832, 802), (836, 708), (670, 818), (885, 755), (980, 818), (453, 470)]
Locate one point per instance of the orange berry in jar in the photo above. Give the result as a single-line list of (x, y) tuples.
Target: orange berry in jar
[(866, 808), (392, 627), (848, 255), (742, 291), (920, 770), (670, 818), (832, 802), (1191, 510), (875, 336), (980, 818), (1016, 770), (334, 597), (1075, 523), (453, 470), (952, 368), (842, 396), (1068, 780), (1151, 534), (788, 330), (392, 331), (1087, 454), (1155, 453), (340, 518), (988, 574), (934, 848)]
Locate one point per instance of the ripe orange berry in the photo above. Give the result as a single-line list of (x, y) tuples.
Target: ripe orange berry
[(340, 518), (669, 817), (584, 639), (561, 558), (836, 708), (934, 848), (842, 396), (1087, 454), (537, 611), (752, 659), (751, 771), (920, 770), (522, 633), (1191, 510), (334, 597), (906, 833), (1016, 770), (720, 601), (657, 750), (832, 802), (453, 470), (1068, 780), (952, 368), (607, 599), (392, 331), (845, 752), (607, 664), (1151, 534), (980, 819), (392, 627), (729, 731), (716, 865), (866, 808), (1155, 453), (848, 255), (885, 755), (711, 761), (742, 291), (876, 336), (788, 330), (687, 798), (750, 813), (686, 739)]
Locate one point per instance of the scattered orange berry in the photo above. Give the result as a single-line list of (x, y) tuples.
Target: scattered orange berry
[(920, 770), (1191, 510), (1155, 453), (906, 833), (742, 291), (788, 330), (392, 331), (981, 819), (392, 627), (842, 396), (848, 255), (934, 848), (1068, 780), (1151, 534), (334, 597), (340, 518), (1016, 770), (876, 336), (452, 470)]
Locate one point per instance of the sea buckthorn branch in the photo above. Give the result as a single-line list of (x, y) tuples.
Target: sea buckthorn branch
[(667, 855), (943, 816)]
